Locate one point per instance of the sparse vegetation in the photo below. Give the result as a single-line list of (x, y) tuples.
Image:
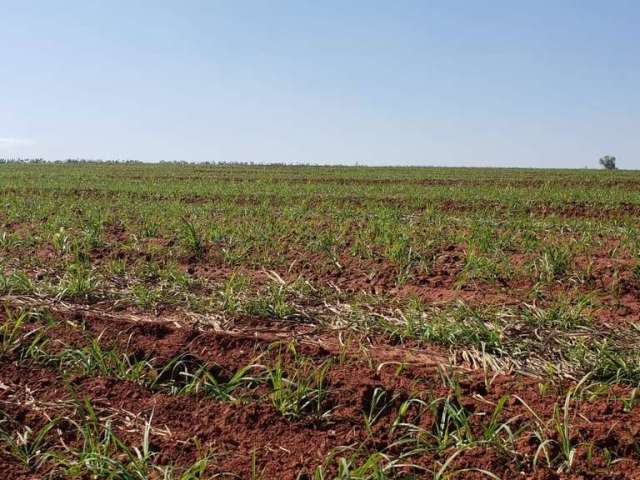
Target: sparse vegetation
[(214, 321)]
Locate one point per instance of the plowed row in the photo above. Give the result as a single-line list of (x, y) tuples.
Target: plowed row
[(248, 434)]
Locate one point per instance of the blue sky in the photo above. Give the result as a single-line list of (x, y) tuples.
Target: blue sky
[(472, 83)]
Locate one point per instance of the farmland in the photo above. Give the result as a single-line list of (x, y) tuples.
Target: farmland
[(239, 321)]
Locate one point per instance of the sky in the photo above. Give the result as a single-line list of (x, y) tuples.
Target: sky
[(450, 83)]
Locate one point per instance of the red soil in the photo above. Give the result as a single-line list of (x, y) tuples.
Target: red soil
[(284, 448)]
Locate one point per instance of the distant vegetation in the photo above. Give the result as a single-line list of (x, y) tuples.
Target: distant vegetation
[(608, 162)]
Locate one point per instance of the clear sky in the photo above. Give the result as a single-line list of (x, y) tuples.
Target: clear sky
[(537, 83)]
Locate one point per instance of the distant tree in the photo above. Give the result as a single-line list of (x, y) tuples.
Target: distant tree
[(608, 162)]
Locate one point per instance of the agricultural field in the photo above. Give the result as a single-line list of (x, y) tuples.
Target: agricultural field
[(276, 322)]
